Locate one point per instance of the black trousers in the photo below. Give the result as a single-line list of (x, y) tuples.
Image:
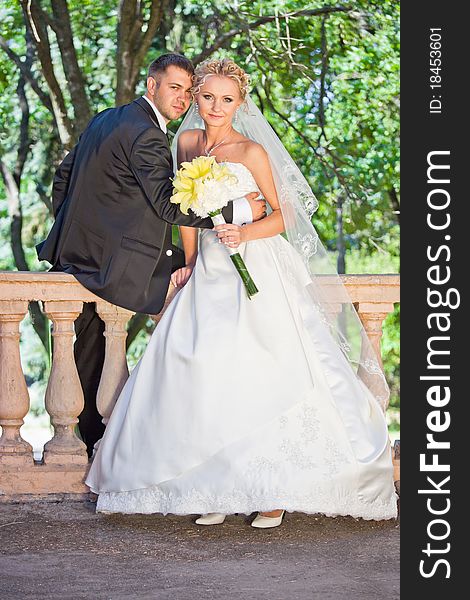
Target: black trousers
[(89, 350)]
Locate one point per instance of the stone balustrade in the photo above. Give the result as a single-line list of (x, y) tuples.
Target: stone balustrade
[(64, 464)]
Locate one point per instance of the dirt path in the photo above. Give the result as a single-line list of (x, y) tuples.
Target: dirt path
[(65, 551)]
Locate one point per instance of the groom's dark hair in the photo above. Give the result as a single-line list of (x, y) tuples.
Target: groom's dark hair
[(160, 64)]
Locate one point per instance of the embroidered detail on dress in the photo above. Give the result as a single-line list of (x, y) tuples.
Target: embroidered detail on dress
[(294, 452), (318, 500), (261, 465), (334, 457), (310, 424)]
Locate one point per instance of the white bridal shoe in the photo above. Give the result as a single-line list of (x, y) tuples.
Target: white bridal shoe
[(211, 519), (265, 522)]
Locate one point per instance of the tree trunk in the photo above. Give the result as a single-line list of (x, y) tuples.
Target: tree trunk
[(395, 203), (133, 43), (38, 320), (341, 261), (12, 183), (340, 245), (16, 217), (73, 73), (37, 29)]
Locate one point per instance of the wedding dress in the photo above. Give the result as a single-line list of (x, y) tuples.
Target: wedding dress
[(235, 407)]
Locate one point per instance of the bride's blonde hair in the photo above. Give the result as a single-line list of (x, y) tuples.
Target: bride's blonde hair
[(224, 67)]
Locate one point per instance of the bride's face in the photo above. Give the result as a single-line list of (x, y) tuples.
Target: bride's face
[(218, 99)]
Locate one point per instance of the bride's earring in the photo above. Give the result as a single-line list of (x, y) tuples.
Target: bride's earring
[(196, 107), (236, 115)]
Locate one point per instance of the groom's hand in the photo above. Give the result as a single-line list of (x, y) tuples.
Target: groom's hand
[(258, 207)]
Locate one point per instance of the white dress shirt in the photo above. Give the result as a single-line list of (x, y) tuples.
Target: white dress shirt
[(160, 119), (241, 207)]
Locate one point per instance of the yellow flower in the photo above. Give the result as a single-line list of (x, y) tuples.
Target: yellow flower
[(184, 199), (189, 180), (184, 191), (198, 167), (221, 172), (182, 183)]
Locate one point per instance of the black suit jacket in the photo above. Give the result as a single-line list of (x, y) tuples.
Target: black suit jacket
[(112, 211)]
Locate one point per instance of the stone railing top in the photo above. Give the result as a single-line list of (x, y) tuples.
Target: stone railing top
[(30, 285)]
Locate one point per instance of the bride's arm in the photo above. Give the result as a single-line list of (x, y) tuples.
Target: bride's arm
[(189, 239), (258, 162)]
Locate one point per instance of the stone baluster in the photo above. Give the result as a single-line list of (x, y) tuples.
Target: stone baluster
[(372, 316), (115, 371), (14, 397), (64, 395)]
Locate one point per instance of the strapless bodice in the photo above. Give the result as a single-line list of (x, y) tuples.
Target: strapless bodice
[(246, 182)]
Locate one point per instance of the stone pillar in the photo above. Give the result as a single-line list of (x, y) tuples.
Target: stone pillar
[(64, 395), (14, 397), (372, 316), (115, 371)]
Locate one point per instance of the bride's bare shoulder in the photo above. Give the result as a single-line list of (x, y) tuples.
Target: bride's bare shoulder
[(254, 149), (188, 136), (255, 158), (254, 153), (249, 149)]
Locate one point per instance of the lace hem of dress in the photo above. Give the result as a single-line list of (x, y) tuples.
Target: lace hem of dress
[(154, 500)]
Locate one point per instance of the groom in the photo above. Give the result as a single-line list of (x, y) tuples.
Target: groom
[(111, 200)]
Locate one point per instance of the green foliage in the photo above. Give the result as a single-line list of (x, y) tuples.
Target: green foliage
[(137, 348)]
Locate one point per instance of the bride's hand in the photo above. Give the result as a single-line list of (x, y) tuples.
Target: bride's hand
[(180, 277), (229, 234)]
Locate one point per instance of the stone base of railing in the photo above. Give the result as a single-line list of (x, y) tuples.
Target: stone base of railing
[(40, 481), (57, 482), (64, 466)]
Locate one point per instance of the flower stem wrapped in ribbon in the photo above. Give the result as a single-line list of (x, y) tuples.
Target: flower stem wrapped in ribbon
[(203, 185)]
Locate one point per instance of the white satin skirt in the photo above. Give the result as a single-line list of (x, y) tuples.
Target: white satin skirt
[(235, 407)]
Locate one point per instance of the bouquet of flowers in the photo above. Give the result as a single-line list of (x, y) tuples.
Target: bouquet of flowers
[(203, 185)]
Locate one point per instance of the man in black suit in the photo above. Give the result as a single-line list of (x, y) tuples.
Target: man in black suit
[(112, 213)]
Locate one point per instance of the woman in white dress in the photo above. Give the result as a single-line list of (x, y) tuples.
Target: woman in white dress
[(242, 405)]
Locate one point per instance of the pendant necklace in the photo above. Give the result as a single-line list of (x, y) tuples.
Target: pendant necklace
[(209, 152)]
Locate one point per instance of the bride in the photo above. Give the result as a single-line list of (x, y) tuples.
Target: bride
[(268, 404)]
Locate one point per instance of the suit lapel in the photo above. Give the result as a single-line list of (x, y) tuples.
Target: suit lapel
[(148, 109)]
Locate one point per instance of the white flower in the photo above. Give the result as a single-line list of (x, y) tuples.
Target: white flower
[(212, 195)]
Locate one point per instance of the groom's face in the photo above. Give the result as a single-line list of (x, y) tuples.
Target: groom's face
[(170, 92)]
